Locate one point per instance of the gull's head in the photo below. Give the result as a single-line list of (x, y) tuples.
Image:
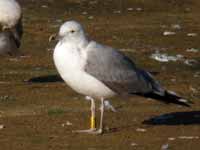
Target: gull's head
[(71, 31), (10, 13)]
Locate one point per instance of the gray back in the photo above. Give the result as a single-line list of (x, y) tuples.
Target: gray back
[(117, 71)]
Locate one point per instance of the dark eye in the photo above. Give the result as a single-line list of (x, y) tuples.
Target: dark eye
[(72, 31)]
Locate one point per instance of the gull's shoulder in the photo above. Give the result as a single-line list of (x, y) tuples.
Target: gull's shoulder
[(107, 54)]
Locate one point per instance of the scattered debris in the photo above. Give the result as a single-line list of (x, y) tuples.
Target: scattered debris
[(4, 82), (163, 26), (192, 34), (187, 9), (165, 57), (107, 128), (94, 2), (194, 50), (127, 50), (176, 26), (130, 9), (141, 130), (52, 37), (25, 56), (139, 9), (193, 89), (171, 138), (13, 59), (197, 74), (173, 80), (190, 62), (59, 20), (165, 147), (166, 33), (44, 6), (134, 144), (84, 13), (6, 98), (91, 17), (109, 106), (67, 123), (183, 137), (117, 12), (1, 126), (188, 137)]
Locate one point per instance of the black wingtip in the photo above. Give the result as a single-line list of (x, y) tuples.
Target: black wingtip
[(183, 102), (170, 97), (174, 98)]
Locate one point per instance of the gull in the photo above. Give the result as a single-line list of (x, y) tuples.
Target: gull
[(11, 28), (102, 72)]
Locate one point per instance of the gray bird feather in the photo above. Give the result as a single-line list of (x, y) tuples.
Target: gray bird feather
[(8, 43), (118, 72), (10, 39)]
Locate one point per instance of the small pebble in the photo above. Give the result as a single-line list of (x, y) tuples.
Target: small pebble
[(166, 33), (139, 9), (188, 137), (165, 147), (188, 9), (193, 89), (44, 6), (2, 126), (197, 74), (130, 9), (91, 17), (134, 144), (190, 62), (176, 26), (59, 20), (171, 138), (163, 26), (84, 13), (117, 12), (194, 50), (67, 123), (192, 34), (13, 59), (141, 130), (127, 50), (173, 80)]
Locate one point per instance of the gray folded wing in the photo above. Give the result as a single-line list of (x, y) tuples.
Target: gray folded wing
[(118, 72), (8, 43), (10, 39)]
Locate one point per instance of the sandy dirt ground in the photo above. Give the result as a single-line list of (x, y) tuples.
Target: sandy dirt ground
[(38, 111)]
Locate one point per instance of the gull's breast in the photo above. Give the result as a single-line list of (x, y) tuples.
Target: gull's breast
[(69, 62)]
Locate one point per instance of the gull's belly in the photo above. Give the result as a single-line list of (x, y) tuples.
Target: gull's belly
[(86, 84)]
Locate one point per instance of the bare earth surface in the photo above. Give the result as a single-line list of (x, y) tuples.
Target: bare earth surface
[(38, 111)]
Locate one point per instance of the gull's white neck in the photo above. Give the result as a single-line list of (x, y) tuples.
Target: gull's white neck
[(79, 42), (70, 54)]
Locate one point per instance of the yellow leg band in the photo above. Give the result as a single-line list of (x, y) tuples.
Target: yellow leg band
[(92, 123)]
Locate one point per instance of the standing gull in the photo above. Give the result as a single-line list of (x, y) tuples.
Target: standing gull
[(101, 72), (10, 27)]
